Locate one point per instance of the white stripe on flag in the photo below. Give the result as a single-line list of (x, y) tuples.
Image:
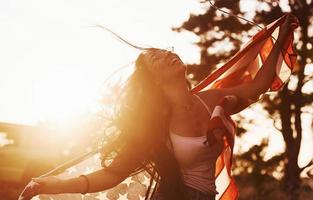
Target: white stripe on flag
[(222, 182), (285, 71)]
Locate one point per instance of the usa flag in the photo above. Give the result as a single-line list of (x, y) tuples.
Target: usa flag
[(241, 68)]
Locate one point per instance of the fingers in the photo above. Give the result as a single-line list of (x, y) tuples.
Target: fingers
[(292, 20), (295, 22), (292, 17), (215, 137), (289, 24)]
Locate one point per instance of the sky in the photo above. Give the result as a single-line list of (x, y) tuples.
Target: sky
[(54, 60)]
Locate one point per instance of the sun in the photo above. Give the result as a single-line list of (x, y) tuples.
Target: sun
[(63, 94)]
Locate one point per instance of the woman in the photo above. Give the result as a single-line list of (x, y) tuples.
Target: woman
[(163, 129)]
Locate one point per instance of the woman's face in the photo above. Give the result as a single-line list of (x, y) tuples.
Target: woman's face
[(165, 65)]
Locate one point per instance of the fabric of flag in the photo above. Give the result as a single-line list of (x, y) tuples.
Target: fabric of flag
[(242, 67)]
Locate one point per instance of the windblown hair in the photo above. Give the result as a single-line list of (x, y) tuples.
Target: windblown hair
[(141, 140)]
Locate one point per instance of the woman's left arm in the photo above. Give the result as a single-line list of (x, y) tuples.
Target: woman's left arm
[(264, 77)]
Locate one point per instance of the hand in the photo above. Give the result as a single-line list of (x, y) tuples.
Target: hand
[(290, 24), (215, 136), (45, 185), (229, 102), (216, 139)]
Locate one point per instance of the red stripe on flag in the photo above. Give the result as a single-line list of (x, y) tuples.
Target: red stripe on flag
[(289, 56), (277, 84), (219, 164), (233, 79), (266, 49)]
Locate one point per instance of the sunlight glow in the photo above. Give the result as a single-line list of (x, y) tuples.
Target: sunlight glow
[(4, 140), (53, 59), (63, 93)]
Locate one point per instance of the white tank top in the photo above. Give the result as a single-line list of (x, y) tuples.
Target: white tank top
[(196, 160)]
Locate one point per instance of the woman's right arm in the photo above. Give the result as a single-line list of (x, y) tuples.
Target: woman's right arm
[(119, 169), (98, 181)]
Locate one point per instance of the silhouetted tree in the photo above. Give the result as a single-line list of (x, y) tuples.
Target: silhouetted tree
[(291, 102), (251, 169)]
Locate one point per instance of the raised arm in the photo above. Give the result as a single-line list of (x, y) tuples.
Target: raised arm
[(263, 79)]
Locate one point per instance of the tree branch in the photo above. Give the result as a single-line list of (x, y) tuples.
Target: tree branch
[(307, 165)]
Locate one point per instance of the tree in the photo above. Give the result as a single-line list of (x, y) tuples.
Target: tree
[(261, 176), (289, 105), (292, 101)]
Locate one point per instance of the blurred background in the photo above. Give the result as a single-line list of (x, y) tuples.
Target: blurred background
[(54, 62)]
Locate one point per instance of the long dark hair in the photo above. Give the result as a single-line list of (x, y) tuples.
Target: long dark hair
[(141, 138)]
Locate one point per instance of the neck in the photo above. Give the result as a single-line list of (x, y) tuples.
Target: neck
[(180, 99)]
